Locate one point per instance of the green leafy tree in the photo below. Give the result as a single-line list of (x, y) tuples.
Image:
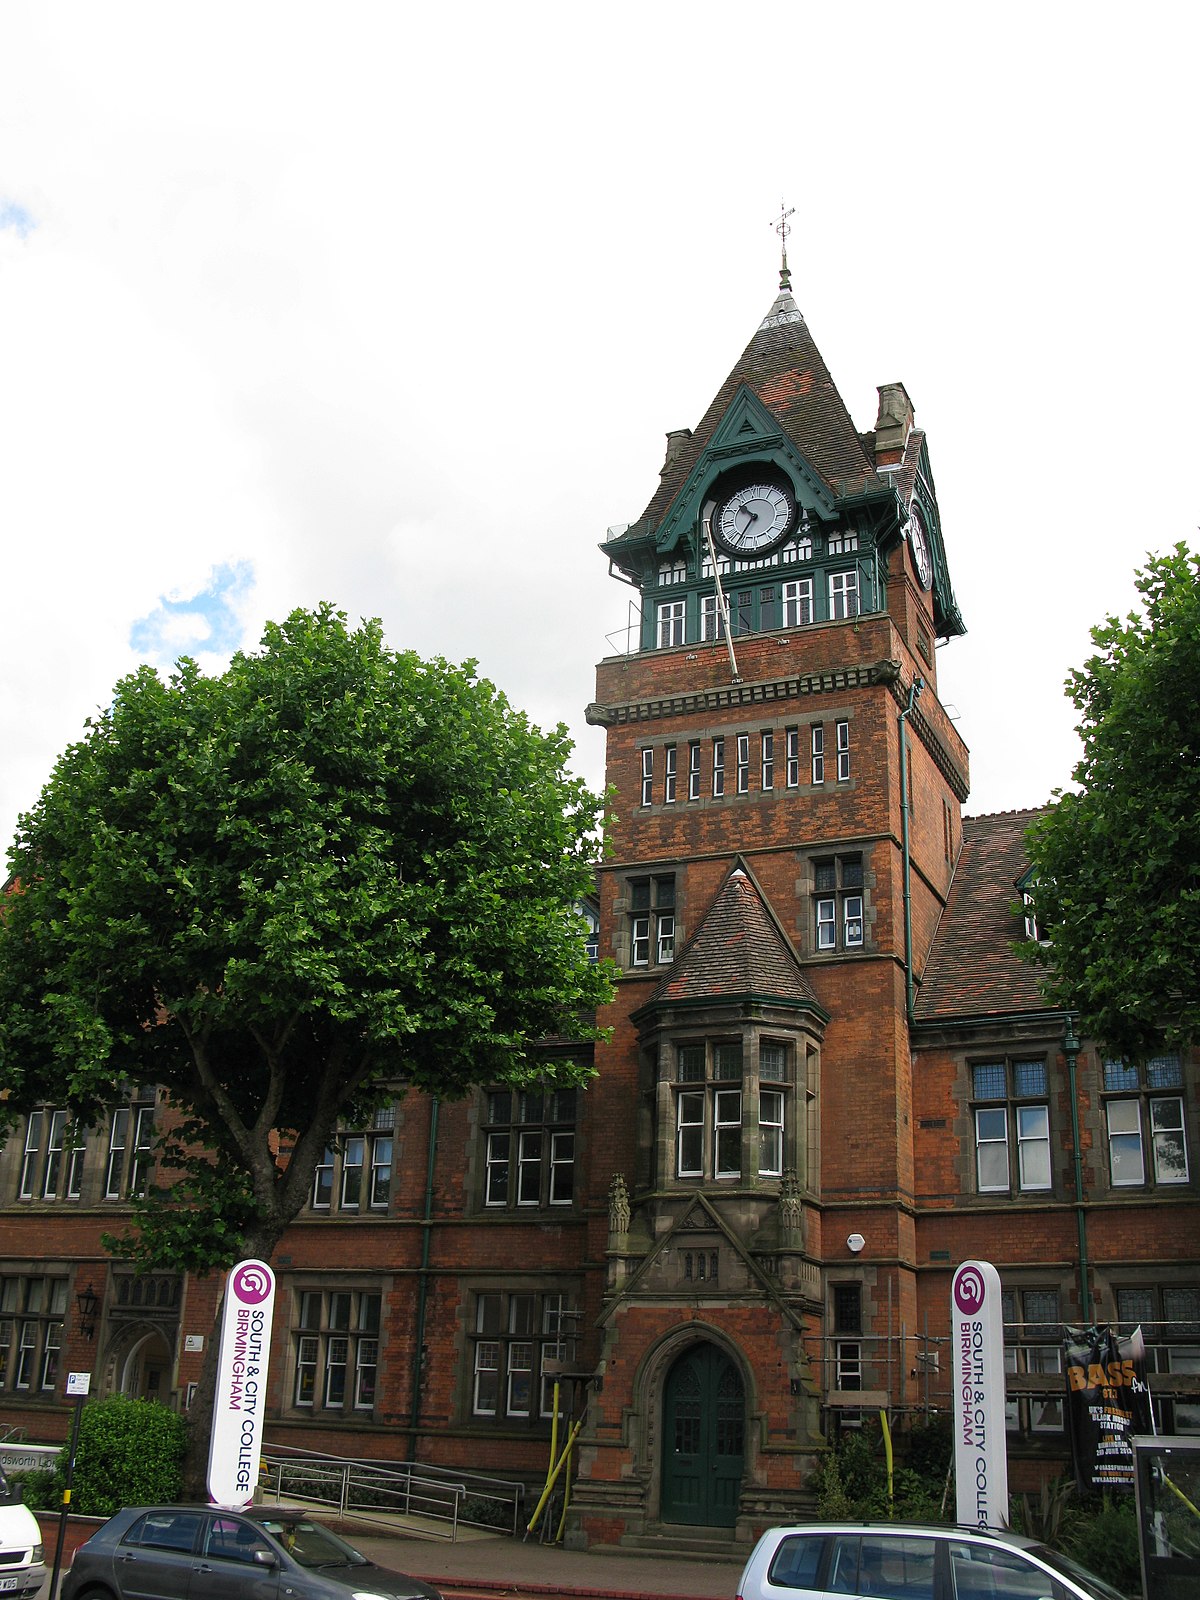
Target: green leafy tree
[(1116, 865), (278, 894)]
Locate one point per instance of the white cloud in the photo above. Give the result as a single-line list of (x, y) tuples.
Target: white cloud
[(395, 306)]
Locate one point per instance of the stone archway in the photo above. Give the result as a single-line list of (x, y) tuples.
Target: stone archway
[(141, 1365)]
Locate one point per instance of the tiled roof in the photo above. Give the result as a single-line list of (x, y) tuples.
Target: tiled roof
[(787, 372), (737, 951), (972, 969)]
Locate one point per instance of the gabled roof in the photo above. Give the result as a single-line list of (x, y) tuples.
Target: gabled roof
[(784, 368), (972, 969), (738, 952)]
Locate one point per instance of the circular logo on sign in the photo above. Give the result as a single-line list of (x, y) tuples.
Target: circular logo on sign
[(969, 1291), (252, 1283)]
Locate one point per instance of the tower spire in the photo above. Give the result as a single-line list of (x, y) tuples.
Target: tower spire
[(782, 229)]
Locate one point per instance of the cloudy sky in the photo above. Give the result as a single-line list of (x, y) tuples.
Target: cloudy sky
[(392, 305)]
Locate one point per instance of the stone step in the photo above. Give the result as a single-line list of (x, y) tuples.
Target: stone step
[(689, 1544)]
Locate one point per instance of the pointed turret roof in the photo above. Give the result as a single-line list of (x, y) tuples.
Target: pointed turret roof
[(784, 368), (739, 950)]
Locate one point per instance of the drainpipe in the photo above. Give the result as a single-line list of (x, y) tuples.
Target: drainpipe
[(1071, 1052), (423, 1290), (913, 695)]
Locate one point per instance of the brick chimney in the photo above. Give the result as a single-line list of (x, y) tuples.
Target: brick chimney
[(893, 424)]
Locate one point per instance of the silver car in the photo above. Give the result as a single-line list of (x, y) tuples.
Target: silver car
[(907, 1561), (204, 1553)]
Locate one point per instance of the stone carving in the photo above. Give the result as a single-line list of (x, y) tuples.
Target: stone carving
[(791, 1211), (618, 1207)]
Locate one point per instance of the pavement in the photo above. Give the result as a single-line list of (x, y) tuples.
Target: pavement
[(496, 1565)]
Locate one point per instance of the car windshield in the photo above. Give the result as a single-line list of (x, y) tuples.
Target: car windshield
[(1087, 1581), (312, 1545)]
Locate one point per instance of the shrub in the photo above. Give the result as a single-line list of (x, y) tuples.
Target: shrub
[(130, 1453), (1103, 1534), (36, 1489), (851, 1481)]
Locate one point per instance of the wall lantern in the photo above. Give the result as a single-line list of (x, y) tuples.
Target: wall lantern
[(88, 1306)]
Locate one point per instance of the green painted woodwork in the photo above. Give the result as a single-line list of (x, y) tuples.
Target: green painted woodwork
[(704, 1425)]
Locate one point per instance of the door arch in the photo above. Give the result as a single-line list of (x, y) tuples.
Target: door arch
[(704, 1431)]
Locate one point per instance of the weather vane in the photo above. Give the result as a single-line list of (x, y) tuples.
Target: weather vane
[(782, 229)]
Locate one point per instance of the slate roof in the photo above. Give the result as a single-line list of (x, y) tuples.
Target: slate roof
[(972, 969), (737, 951), (787, 372)]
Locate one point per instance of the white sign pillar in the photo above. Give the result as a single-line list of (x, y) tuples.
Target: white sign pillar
[(240, 1401), (977, 1363)]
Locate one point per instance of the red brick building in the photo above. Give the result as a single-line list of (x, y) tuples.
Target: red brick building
[(829, 1077)]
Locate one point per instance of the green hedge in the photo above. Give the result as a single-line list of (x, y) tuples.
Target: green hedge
[(130, 1453)]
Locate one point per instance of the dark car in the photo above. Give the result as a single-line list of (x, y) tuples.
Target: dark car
[(204, 1553)]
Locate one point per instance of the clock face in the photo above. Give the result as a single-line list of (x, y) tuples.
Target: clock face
[(755, 519), (919, 541)]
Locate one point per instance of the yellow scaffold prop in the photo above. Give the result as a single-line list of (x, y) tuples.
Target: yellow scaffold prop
[(558, 1465)]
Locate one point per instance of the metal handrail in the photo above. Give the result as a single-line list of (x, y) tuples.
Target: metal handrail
[(375, 1491)]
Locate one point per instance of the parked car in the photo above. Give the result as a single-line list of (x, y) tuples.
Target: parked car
[(907, 1561), (21, 1567), (204, 1553)]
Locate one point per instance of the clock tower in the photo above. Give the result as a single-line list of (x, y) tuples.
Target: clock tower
[(786, 812)]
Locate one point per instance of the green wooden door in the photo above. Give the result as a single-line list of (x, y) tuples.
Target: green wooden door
[(704, 1426)]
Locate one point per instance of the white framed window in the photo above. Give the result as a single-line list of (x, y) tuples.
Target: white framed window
[(1011, 1112), (694, 770), (743, 763), (718, 767), (842, 732), (143, 1143), (689, 1134), (130, 1148), (843, 595), (798, 603), (839, 905), (670, 773), (652, 920), (842, 542), (322, 1195), (647, 777), (1033, 1346), (672, 572), (727, 1127), (354, 1150), (767, 777), (1146, 1129), (817, 752), (53, 1156), (672, 615), (335, 1339), (529, 1147), (356, 1168), (381, 1172), (33, 1154), (770, 1133), (712, 624), (793, 758), (31, 1312), (518, 1335)]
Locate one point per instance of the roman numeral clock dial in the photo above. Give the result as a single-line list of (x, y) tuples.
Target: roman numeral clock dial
[(755, 519)]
